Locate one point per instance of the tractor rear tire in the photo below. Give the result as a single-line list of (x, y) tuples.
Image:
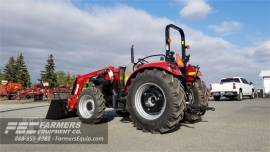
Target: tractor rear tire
[(91, 105), (156, 101), (200, 97)]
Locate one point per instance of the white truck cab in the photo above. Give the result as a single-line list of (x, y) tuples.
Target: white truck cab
[(232, 88)]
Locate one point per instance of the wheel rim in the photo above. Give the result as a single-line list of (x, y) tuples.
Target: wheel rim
[(86, 106), (241, 95), (150, 101), (190, 96)]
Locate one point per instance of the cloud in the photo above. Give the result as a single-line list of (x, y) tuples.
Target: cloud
[(83, 40), (261, 53), (226, 27), (195, 9)]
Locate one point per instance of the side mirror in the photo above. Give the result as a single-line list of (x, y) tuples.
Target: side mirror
[(250, 83)]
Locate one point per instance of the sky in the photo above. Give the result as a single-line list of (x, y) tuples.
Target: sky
[(227, 37)]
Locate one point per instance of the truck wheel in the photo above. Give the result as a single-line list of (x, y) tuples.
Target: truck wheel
[(199, 96), (240, 96), (252, 96), (217, 98), (156, 101), (91, 105)]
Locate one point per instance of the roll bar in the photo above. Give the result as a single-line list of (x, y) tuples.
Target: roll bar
[(169, 53)]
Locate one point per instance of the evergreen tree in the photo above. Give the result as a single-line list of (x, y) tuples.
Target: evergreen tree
[(10, 70), (22, 73), (49, 75), (1, 75)]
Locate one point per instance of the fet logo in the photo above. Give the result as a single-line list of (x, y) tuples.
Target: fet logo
[(21, 127)]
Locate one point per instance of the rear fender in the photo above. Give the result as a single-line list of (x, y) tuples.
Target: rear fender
[(162, 65)]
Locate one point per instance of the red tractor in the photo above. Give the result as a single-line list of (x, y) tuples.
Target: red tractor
[(155, 95)]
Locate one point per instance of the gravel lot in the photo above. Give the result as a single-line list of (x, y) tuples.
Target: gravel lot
[(234, 126)]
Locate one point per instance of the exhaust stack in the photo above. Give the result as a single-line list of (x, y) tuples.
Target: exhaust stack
[(132, 54)]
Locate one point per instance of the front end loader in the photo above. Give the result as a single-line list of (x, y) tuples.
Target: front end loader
[(156, 96)]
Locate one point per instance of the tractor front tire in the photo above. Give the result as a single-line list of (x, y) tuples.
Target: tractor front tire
[(199, 97), (156, 101), (91, 105)]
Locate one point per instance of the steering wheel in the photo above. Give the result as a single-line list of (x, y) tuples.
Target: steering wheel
[(142, 61)]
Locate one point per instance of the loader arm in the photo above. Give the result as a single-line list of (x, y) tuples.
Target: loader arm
[(80, 82)]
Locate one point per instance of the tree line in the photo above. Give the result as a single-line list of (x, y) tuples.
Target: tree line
[(16, 71)]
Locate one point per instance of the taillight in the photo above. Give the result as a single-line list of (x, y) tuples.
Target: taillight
[(234, 87)]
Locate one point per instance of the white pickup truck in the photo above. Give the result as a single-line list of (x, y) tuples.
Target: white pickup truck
[(232, 88)]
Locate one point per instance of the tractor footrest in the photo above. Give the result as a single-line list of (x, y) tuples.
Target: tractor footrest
[(197, 108), (211, 108)]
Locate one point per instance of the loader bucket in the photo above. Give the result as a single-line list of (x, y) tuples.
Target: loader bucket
[(58, 110)]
